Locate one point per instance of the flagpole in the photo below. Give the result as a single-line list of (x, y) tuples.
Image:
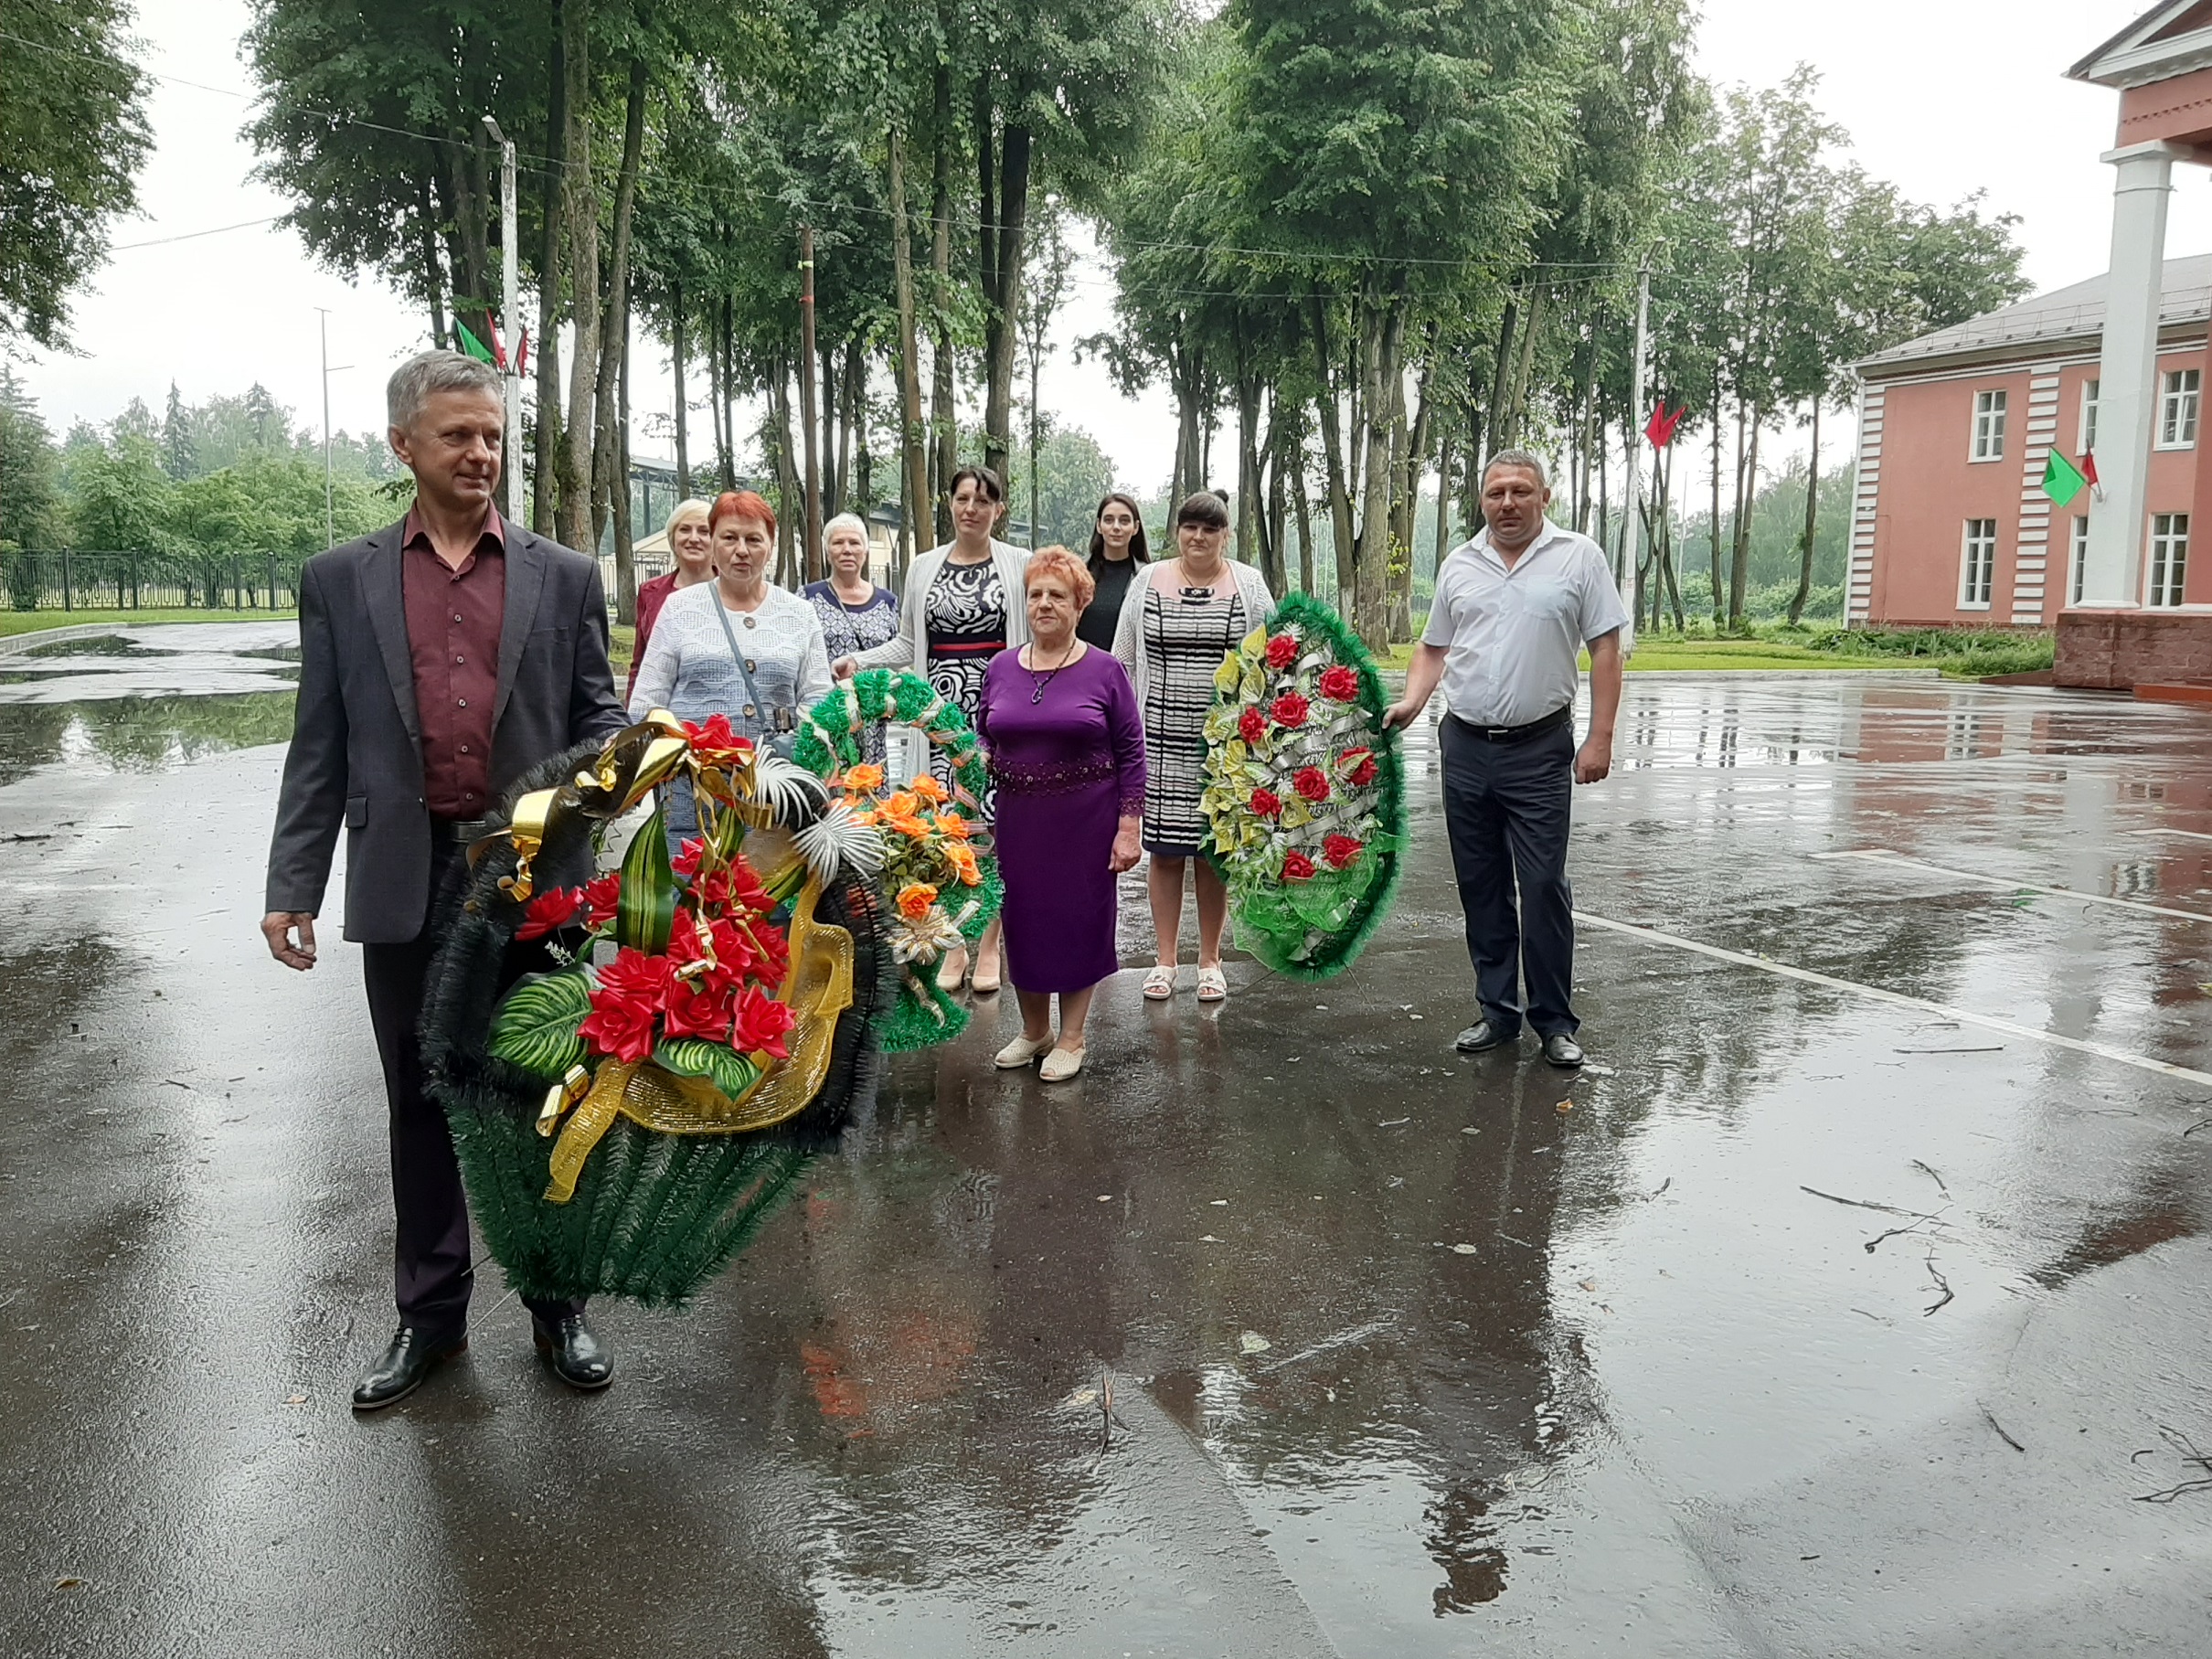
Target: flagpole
[(330, 533), (1630, 551), (510, 297)]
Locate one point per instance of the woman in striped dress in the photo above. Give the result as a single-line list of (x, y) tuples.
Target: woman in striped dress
[(1179, 619)]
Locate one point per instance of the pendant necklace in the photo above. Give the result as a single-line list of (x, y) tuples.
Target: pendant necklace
[(1041, 681)]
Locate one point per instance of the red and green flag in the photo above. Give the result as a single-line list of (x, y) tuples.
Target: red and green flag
[(470, 344), (2062, 480)]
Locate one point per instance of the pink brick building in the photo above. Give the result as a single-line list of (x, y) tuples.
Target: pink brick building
[(1950, 526)]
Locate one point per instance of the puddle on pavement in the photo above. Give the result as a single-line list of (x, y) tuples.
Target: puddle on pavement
[(137, 734)]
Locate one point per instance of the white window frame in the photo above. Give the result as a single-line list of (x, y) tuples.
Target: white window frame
[(1971, 543), (2090, 393), (1988, 439), (2077, 558), (2180, 400), (2167, 560)]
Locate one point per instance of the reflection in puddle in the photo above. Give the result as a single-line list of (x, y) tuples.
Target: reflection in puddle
[(194, 659), (137, 734)]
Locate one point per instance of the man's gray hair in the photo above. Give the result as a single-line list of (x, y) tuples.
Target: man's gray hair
[(1525, 458), (420, 378)]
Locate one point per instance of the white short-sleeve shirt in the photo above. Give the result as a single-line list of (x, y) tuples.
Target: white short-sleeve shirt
[(1511, 636)]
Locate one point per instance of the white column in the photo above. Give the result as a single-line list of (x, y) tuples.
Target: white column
[(2128, 388)]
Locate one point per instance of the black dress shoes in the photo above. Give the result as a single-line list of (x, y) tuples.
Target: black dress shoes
[(1481, 1035), (414, 1353), (1562, 1050), (575, 1354)]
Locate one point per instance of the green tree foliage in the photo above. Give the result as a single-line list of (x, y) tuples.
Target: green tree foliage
[(72, 136), (29, 503)]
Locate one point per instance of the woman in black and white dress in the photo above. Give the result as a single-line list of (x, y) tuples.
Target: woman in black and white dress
[(1179, 619), (962, 607)]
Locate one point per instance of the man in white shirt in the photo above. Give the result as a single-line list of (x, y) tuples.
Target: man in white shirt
[(1512, 609)]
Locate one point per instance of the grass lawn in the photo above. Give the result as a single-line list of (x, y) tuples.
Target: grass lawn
[(38, 621), (1958, 656)]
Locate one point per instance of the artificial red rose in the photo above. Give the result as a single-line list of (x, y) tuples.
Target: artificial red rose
[(751, 949), (1297, 867), (548, 912), (746, 891), (1357, 766), (1251, 726), (1281, 652), (1312, 782), (1289, 709), (1340, 684), (715, 743), (701, 1010), (1266, 803), (1339, 850), (761, 1025), (685, 947), (632, 989), (686, 860), (605, 895)]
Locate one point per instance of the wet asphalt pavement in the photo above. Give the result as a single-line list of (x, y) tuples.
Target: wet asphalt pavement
[(1408, 1354)]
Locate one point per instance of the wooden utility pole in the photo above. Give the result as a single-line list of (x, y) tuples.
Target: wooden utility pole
[(810, 556)]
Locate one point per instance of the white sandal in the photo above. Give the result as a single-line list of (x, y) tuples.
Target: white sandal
[(1060, 1065), (1159, 984), (1213, 985), (1020, 1052)]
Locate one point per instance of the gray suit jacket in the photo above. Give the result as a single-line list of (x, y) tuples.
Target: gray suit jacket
[(356, 749)]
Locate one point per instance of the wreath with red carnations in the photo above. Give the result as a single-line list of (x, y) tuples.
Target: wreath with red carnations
[(1303, 791)]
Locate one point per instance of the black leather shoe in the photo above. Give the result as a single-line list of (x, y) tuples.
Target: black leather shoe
[(414, 1353), (575, 1354), (1483, 1035), (1562, 1050)]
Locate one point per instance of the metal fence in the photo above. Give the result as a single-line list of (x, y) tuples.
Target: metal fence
[(71, 580)]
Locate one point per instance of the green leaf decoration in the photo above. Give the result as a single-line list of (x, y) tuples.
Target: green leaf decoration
[(722, 1065), (535, 1025), (648, 901)]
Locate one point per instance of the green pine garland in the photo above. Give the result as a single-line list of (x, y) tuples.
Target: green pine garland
[(1351, 904)]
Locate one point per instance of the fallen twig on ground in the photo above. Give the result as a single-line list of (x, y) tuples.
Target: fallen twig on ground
[(2184, 1449), (1932, 1175), (2200, 1124), (1990, 1418), (1899, 1232), (1941, 1284), (1887, 1209)]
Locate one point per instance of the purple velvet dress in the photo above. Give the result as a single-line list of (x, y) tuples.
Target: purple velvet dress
[(1067, 762)]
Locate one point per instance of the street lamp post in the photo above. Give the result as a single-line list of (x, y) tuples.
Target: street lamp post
[(510, 279)]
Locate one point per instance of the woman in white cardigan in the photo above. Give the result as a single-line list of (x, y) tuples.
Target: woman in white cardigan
[(964, 605), (1180, 617)]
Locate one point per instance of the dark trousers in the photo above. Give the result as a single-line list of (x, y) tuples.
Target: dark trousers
[(430, 1271), (1506, 806)]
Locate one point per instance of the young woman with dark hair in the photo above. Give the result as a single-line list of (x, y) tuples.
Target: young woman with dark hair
[(1117, 550)]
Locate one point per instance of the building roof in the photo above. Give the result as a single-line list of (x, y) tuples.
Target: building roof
[(2065, 319), (2169, 39)]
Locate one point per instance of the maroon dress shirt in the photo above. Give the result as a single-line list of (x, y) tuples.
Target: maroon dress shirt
[(651, 597), (453, 618)]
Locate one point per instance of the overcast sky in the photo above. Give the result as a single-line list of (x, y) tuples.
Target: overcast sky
[(1944, 97)]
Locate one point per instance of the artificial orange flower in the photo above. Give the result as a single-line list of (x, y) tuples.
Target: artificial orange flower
[(863, 779), (929, 790), (908, 825), (864, 817), (901, 806), (915, 899), (951, 824), (962, 857)]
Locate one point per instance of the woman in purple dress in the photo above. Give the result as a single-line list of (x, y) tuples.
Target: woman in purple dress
[(1067, 749)]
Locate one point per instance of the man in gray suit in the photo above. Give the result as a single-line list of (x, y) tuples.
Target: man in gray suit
[(438, 660)]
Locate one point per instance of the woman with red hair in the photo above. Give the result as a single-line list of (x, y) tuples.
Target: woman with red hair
[(739, 645)]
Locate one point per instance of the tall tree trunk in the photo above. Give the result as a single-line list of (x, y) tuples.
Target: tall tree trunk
[(1248, 448), (1333, 455), (1513, 419), (610, 463), (809, 532), (943, 414), (852, 413), (625, 573), (1186, 372), (1443, 504), (1382, 326), (1804, 546), (676, 364), (730, 394), (787, 489), (583, 214), (1665, 469), (1274, 545), (545, 489), (433, 270), (1740, 553), (1005, 295), (1501, 390), (1306, 516), (1593, 438), (1719, 587), (913, 455)]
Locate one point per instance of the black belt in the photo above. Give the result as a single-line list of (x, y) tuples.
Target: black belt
[(462, 829), (1516, 734)]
